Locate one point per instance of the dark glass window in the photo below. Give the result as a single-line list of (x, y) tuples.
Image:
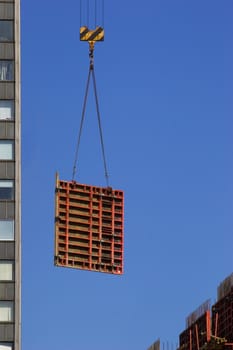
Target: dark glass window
[(6, 190), (6, 31)]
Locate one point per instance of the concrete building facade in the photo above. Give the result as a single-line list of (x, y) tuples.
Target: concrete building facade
[(10, 176)]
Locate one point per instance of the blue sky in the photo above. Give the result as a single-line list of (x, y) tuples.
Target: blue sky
[(165, 82)]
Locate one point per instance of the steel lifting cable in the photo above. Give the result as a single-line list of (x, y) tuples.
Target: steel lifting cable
[(87, 15), (91, 72), (103, 12), (88, 12), (100, 127), (95, 14), (81, 125)]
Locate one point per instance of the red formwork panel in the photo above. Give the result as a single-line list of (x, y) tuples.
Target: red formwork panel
[(89, 227)]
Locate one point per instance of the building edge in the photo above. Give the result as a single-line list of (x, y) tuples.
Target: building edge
[(17, 329)]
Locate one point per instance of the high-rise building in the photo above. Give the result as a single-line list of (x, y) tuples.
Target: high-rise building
[(10, 176)]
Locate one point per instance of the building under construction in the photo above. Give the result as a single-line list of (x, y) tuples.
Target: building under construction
[(211, 328)]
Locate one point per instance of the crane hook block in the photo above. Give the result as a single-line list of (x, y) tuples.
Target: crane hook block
[(96, 34)]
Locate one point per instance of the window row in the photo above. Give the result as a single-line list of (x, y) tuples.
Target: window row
[(6, 190), (6, 270), (7, 231), (6, 311)]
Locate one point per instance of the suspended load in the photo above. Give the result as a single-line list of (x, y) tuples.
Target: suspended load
[(89, 220), (89, 227)]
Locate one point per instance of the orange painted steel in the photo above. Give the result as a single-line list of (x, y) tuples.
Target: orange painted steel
[(216, 325), (190, 339), (89, 227), (197, 336), (208, 326)]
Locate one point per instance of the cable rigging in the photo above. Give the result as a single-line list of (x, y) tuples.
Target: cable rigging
[(101, 224), (91, 36)]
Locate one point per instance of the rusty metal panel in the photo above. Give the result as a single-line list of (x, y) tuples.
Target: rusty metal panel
[(89, 227)]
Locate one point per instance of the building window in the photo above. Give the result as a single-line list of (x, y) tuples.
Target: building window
[(6, 150), (6, 70), (6, 346), (6, 311), (6, 30), (6, 109), (6, 190), (7, 230), (6, 270)]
